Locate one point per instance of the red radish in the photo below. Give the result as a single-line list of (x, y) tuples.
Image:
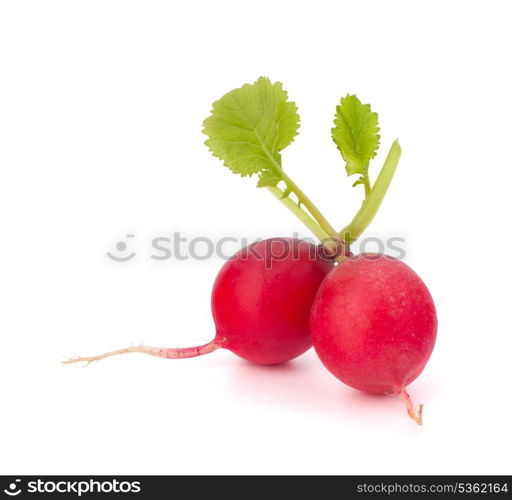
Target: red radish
[(261, 301), (374, 324)]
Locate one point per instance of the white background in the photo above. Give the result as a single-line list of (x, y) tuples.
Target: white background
[(101, 105)]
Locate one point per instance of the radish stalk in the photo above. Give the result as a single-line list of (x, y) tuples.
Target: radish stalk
[(371, 204)]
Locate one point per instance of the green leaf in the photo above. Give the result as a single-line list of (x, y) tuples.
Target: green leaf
[(250, 126), (356, 134)]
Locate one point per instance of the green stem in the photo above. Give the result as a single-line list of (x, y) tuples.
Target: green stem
[(367, 187), (303, 199), (373, 200), (312, 209), (302, 215)]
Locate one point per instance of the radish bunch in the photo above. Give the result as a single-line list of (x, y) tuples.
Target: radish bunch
[(370, 318)]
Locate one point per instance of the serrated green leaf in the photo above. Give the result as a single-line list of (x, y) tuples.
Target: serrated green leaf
[(250, 126), (356, 134)]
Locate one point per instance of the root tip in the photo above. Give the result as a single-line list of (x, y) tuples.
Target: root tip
[(417, 417), (420, 414)]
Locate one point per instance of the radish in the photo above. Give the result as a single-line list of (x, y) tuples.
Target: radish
[(374, 325), (261, 305), (261, 301), (373, 321)]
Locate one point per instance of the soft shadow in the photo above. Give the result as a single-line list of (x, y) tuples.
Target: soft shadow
[(301, 384), (305, 385)]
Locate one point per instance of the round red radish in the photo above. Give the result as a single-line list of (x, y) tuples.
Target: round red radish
[(261, 305), (374, 324), (261, 301)]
